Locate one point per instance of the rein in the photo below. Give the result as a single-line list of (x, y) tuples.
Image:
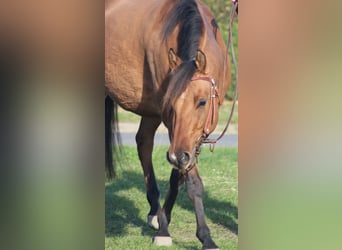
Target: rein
[(203, 139)]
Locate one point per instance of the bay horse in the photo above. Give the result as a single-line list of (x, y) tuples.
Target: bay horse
[(166, 61)]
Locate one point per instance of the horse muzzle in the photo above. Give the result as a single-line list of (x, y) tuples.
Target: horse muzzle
[(179, 161)]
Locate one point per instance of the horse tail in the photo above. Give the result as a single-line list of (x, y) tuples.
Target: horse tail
[(112, 136)]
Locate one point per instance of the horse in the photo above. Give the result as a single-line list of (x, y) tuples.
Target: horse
[(166, 61)]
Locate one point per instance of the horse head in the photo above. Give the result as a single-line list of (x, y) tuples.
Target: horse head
[(191, 114)]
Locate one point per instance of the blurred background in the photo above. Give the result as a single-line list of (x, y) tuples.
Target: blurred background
[(52, 125)]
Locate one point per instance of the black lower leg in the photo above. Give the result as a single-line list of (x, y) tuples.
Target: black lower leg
[(163, 223), (164, 214), (152, 193), (144, 139), (195, 192), (175, 181)]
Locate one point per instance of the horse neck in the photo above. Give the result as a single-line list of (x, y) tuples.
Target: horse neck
[(214, 47)]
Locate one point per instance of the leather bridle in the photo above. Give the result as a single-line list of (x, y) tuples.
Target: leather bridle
[(213, 94), (203, 139)]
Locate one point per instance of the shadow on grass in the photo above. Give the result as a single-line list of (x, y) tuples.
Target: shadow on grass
[(120, 211), (223, 213)]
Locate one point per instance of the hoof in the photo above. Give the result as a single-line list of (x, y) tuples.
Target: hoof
[(211, 249), (152, 221), (162, 241)]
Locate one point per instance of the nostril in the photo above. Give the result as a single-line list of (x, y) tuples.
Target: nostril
[(180, 160), (185, 158)]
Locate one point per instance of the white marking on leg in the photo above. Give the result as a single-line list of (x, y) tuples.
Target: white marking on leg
[(152, 221), (162, 241)]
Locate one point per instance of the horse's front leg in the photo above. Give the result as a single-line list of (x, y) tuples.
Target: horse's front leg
[(144, 139), (195, 192), (163, 237)]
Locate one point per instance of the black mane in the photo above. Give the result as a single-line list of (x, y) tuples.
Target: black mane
[(185, 13)]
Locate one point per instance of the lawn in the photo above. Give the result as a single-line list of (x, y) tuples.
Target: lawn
[(126, 206)]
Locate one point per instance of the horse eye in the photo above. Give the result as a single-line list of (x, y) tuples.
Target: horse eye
[(202, 102)]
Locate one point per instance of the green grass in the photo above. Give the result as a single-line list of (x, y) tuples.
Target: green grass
[(127, 116), (224, 112), (126, 205)]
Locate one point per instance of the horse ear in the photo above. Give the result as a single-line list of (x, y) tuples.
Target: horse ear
[(173, 59), (201, 61)]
